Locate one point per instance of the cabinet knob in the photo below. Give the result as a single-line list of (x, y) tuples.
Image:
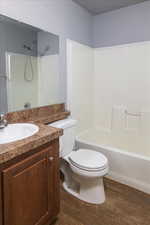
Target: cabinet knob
[(51, 158)]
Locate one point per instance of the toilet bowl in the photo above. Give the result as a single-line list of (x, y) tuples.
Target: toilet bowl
[(88, 167), (83, 169)]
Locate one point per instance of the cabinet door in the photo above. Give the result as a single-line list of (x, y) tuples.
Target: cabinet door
[(26, 188)]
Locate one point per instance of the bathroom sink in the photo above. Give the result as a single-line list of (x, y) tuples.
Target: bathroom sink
[(16, 132)]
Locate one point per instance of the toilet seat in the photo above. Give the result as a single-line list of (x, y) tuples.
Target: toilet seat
[(88, 160)]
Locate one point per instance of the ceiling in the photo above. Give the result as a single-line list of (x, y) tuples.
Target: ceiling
[(101, 6)]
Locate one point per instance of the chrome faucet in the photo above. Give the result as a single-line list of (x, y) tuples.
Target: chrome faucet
[(3, 121)]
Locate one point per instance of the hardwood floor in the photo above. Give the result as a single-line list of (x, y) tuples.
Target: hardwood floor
[(123, 206)]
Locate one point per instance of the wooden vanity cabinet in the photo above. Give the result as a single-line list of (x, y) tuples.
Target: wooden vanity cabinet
[(30, 188)]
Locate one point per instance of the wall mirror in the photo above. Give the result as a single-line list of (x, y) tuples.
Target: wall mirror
[(29, 66)]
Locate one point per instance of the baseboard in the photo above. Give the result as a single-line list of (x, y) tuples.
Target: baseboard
[(144, 187)]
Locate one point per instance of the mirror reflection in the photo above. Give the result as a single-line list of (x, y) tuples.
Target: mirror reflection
[(29, 66)]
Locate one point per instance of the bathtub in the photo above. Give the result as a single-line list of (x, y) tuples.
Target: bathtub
[(128, 155)]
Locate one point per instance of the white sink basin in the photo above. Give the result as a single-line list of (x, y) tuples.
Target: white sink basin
[(16, 132)]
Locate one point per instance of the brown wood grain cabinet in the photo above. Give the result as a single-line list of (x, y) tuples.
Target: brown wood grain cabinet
[(30, 188)]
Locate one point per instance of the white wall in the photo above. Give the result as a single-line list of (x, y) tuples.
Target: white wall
[(62, 17), (80, 84), (122, 26)]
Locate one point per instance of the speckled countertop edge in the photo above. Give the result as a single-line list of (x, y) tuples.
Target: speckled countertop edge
[(43, 136)]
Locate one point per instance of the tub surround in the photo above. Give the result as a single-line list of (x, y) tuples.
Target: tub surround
[(39, 116)]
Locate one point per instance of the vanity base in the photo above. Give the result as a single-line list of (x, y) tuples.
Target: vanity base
[(29, 187)]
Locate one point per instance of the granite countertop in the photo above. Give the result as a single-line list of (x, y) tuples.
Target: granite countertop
[(43, 136), (50, 118)]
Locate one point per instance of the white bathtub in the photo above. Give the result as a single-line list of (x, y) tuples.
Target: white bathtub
[(128, 155)]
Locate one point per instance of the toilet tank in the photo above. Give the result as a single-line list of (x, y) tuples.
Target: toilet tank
[(67, 141)]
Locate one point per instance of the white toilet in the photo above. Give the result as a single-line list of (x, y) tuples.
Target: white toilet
[(83, 169)]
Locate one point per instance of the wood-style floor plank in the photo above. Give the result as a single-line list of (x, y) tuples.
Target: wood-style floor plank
[(123, 206)]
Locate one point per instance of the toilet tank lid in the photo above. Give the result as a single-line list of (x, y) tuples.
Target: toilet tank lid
[(66, 123)]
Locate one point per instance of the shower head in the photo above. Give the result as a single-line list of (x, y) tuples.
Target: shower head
[(31, 46), (47, 48), (27, 47)]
